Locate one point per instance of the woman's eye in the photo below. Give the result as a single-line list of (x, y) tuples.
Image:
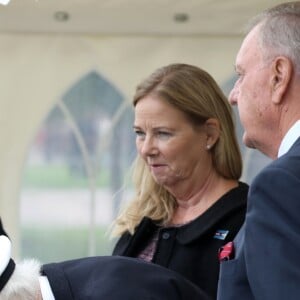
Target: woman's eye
[(164, 134), (139, 133)]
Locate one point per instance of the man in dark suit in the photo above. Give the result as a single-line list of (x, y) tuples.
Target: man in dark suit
[(93, 278), (264, 260)]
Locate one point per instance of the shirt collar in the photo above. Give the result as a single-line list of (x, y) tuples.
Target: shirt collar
[(289, 139), (46, 291)]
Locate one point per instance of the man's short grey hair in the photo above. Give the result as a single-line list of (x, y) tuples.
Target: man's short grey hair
[(24, 282), (280, 31)]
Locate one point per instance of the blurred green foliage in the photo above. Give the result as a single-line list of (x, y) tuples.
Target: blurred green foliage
[(58, 176), (57, 244)]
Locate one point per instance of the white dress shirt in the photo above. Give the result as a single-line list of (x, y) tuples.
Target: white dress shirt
[(47, 293), (289, 139)]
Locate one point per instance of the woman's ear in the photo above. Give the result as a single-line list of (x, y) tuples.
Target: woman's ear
[(282, 70), (212, 128)]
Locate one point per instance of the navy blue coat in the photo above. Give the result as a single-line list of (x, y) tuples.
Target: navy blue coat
[(267, 263), (117, 278)]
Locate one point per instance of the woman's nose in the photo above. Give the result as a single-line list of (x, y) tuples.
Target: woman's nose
[(148, 147)]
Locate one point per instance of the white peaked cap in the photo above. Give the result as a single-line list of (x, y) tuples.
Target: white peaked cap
[(7, 265), (5, 252)]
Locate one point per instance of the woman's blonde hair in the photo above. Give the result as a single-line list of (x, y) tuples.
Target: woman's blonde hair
[(194, 92)]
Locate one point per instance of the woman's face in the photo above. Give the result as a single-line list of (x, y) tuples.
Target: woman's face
[(174, 150)]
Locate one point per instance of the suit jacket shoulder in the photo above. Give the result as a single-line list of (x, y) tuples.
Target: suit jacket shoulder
[(115, 278)]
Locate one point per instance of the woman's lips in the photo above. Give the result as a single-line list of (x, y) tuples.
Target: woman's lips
[(157, 167)]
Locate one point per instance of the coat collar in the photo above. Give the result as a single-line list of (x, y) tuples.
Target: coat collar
[(233, 200)]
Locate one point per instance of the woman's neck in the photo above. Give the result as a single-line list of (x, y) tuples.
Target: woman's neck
[(193, 204)]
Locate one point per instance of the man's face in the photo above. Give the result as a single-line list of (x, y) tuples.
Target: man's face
[(252, 91)]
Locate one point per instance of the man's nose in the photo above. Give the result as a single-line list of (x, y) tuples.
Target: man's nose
[(232, 98)]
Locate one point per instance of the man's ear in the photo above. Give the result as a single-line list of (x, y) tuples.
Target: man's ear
[(282, 71), (212, 131)]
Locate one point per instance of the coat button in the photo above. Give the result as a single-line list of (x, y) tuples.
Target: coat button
[(166, 235)]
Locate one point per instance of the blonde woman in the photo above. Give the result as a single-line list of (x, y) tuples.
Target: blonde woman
[(189, 201)]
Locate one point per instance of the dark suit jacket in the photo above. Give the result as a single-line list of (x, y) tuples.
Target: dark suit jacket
[(117, 278), (267, 262)]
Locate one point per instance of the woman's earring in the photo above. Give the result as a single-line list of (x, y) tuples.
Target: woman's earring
[(208, 147)]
